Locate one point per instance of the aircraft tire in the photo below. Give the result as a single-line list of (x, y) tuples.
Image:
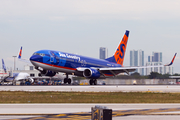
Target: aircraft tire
[(65, 80), (2, 83), (95, 82), (91, 82), (14, 83), (69, 81)]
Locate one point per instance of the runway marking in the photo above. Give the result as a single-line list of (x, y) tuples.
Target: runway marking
[(61, 115), (87, 115), (153, 91)]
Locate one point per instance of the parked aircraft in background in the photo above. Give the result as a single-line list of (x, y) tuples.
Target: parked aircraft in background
[(50, 62), (18, 77), (15, 76), (3, 72)]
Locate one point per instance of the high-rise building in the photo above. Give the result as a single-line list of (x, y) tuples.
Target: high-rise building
[(154, 69), (156, 57), (103, 53), (137, 59), (168, 70)]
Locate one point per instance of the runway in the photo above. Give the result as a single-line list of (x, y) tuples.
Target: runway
[(70, 111), (100, 88)]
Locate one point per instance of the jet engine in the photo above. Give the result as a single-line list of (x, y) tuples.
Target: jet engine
[(30, 80), (91, 73), (47, 73)]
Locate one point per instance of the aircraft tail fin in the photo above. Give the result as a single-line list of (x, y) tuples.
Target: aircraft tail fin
[(21, 59), (3, 66), (20, 53), (118, 56)]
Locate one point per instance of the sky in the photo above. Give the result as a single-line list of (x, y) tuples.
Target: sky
[(83, 26)]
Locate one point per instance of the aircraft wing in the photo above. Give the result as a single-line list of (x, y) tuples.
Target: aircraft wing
[(115, 70)]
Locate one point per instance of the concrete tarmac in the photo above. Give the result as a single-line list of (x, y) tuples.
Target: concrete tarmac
[(75, 108), (96, 88), (37, 109)]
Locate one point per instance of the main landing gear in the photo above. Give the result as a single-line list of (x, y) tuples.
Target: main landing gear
[(93, 82), (67, 80), (14, 82)]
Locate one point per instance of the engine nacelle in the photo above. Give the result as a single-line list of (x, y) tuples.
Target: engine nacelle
[(47, 73), (91, 73), (30, 80)]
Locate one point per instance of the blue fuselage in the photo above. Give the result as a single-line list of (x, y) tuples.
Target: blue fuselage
[(68, 63)]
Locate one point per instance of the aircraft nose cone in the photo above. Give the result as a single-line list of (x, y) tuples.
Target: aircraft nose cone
[(35, 58)]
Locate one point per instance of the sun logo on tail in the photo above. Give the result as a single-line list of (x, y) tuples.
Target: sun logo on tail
[(120, 52)]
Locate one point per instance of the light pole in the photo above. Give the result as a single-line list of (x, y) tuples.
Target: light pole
[(14, 62)]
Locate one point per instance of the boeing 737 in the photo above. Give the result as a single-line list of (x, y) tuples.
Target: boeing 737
[(50, 62)]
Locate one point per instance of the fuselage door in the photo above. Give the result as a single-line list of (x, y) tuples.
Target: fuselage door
[(83, 63), (51, 59)]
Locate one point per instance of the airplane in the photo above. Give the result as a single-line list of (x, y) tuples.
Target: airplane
[(50, 62), (3, 72), (15, 76), (22, 76)]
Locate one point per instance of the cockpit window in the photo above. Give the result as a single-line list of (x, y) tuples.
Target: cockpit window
[(41, 54)]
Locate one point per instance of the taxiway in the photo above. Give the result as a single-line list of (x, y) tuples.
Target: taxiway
[(101, 88), (10, 111)]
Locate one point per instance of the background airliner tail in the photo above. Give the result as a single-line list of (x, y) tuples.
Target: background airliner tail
[(20, 53), (119, 54), (3, 66)]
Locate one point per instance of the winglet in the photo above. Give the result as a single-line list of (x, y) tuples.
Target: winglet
[(171, 61), (20, 53), (3, 65)]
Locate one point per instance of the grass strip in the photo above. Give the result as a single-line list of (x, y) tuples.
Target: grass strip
[(87, 97)]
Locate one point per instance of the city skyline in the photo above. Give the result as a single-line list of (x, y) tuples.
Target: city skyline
[(137, 59)]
